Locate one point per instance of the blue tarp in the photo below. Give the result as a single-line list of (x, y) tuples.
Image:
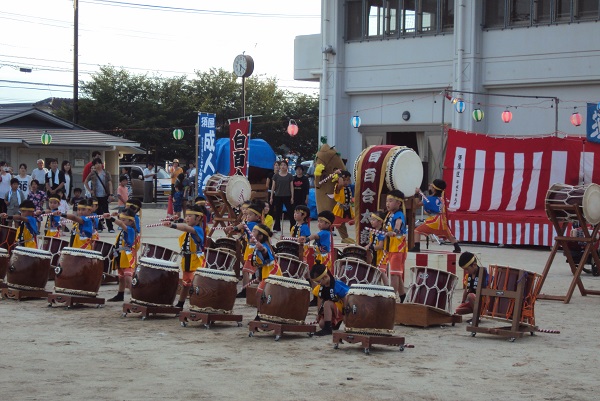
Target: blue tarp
[(261, 155)]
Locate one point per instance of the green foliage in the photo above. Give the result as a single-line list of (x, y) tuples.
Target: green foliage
[(147, 109)]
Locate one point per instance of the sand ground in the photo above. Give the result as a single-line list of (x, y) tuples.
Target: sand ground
[(95, 354)]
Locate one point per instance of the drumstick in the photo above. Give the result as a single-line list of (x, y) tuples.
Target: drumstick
[(154, 225), (375, 231), (326, 178), (254, 281), (167, 219), (249, 232), (423, 196), (289, 239), (548, 331)]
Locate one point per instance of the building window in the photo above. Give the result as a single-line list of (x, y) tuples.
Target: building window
[(511, 13), (381, 19)]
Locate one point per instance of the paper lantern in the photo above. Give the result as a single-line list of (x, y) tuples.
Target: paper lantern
[(460, 106), (576, 119), (355, 121), (454, 100), (46, 138), (506, 116), (477, 115), (292, 128), (178, 133)]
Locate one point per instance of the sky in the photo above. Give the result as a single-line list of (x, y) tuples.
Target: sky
[(158, 37)]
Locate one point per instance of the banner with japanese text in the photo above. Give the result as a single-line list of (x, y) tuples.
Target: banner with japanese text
[(593, 122), (238, 145), (206, 148)]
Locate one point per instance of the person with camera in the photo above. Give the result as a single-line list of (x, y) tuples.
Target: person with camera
[(99, 184)]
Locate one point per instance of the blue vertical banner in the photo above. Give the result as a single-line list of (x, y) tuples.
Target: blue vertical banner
[(593, 122), (206, 148)]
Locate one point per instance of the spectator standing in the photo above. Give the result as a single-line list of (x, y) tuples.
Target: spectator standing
[(66, 169), (174, 171), (126, 171), (149, 182), (99, 184), (282, 194), (40, 172), (55, 178), (24, 179), (87, 169), (5, 177), (301, 187)]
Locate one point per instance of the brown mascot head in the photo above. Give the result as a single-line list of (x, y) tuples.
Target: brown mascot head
[(326, 162)]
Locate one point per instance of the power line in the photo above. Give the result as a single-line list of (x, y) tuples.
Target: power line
[(34, 83)]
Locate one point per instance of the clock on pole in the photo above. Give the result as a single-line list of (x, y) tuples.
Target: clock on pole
[(243, 65)]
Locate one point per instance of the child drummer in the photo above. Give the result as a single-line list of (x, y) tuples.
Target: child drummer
[(262, 261), (83, 227), (437, 223), (191, 242), (469, 263), (323, 239), (331, 294), (395, 243), (342, 195), (127, 257), (53, 225), (376, 242), (27, 232)]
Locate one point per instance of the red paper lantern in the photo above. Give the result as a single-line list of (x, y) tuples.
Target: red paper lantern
[(506, 116), (292, 128), (576, 119)]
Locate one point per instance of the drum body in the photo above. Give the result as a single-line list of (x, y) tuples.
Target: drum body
[(503, 279), (213, 291), (370, 309), (106, 249), (587, 197), (226, 243), (404, 170), (432, 287), (288, 248), (8, 237), (219, 259), (153, 251), (54, 246), (155, 282), (355, 271), (284, 300), (79, 272), (355, 251), (28, 269), (292, 267), (4, 259)]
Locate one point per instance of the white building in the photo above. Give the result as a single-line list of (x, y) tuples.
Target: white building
[(386, 60)]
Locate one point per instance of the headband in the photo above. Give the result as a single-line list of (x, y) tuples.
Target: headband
[(54, 197), (131, 204), (125, 217), (201, 203), (434, 187), (376, 217), (325, 219), (194, 212), (256, 212), (94, 202), (84, 206), (320, 275), (262, 230), (27, 209), (396, 198), (469, 263)]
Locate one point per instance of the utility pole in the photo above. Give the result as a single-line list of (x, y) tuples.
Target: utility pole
[(76, 62)]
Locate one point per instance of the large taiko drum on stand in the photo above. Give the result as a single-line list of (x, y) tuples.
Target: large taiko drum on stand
[(155, 282), (236, 188), (431, 287), (79, 272), (28, 269), (213, 291), (54, 245), (506, 279), (284, 300), (587, 197), (8, 237), (292, 267), (356, 252), (370, 310), (288, 248), (219, 259), (153, 251), (226, 243), (355, 271), (4, 259)]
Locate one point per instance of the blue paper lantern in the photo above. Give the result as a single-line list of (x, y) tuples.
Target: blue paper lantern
[(460, 106), (355, 121)]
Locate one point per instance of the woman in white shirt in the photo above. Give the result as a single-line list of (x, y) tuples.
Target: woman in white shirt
[(24, 179), (66, 168)]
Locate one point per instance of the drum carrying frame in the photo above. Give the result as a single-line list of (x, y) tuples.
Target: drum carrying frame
[(208, 318), (73, 300), (562, 240), (224, 213), (280, 328)]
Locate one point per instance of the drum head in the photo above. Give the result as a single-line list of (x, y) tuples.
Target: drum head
[(591, 204), (404, 171), (238, 190)]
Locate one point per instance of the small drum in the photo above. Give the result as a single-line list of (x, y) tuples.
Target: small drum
[(292, 267), (8, 237), (356, 252), (213, 184), (505, 279), (355, 271), (28, 269), (284, 300), (153, 251), (587, 197), (4, 259), (431, 287), (288, 248), (404, 170), (54, 246), (219, 259), (226, 243), (237, 190), (155, 282), (213, 291), (370, 309), (106, 249), (79, 272)]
